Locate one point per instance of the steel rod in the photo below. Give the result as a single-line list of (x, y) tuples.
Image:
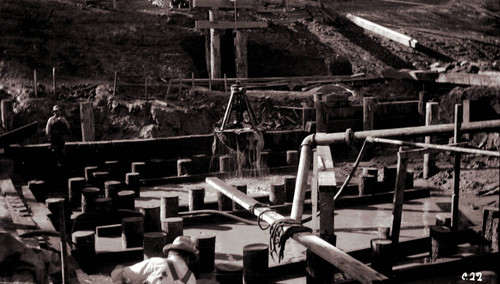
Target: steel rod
[(351, 266), (434, 146)]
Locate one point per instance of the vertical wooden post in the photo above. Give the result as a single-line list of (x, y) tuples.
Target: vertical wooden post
[(7, 114), (456, 169), (397, 210), (87, 121), (240, 44), (422, 97), (320, 113), (209, 81), (35, 83), (114, 83), (64, 249), (431, 118), (215, 55), (369, 108), (466, 115), (54, 79), (192, 80)]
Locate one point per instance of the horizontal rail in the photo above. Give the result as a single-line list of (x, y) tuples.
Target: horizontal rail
[(434, 146), (351, 266)]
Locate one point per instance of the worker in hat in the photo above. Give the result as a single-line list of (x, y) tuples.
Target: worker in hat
[(57, 129), (172, 269)]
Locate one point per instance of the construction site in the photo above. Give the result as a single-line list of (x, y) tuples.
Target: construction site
[(290, 141)]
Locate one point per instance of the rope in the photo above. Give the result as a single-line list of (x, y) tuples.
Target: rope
[(260, 218), (279, 235)]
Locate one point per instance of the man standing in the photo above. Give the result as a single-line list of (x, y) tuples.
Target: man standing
[(57, 129)]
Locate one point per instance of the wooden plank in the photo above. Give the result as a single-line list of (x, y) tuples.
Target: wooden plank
[(325, 155), (327, 185), (455, 203), (488, 79), (383, 31), (224, 25), (397, 210), (224, 4), (215, 51), (314, 194), (87, 121)]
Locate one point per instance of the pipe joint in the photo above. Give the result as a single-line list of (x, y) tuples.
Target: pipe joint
[(308, 141)]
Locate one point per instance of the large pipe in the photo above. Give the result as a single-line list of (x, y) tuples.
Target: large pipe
[(349, 136), (351, 266)]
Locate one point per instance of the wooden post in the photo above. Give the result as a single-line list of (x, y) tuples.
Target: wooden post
[(367, 184), (184, 167), (206, 246), (442, 242), (209, 81), (54, 79), (456, 169), (256, 264), (224, 203), (35, 83), (431, 118), (466, 115), (64, 248), (289, 187), (140, 168), (126, 200), (84, 248), (75, 186), (168, 88), (38, 189), (115, 83), (240, 44), (174, 227), (152, 222), (89, 196), (327, 184), (277, 194), (491, 217), (422, 97), (192, 80), (196, 199), (369, 109), (115, 5), (132, 180), (397, 210), (87, 121), (169, 206), (7, 114), (320, 113), (382, 255), (215, 55), (292, 157), (132, 232), (111, 189), (153, 244)]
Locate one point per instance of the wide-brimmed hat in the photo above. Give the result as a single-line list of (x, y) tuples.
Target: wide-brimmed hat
[(56, 108), (183, 243)]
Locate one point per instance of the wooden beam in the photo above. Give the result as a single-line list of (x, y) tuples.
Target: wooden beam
[(224, 4), (349, 265), (397, 210), (226, 25), (456, 169), (241, 51), (215, 52), (491, 79), (383, 31), (327, 185)]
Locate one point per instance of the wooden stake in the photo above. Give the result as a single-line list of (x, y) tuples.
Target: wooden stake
[(215, 52), (397, 210), (369, 108), (35, 82), (54, 79), (466, 115), (431, 118), (192, 80), (87, 121), (240, 44), (114, 83), (64, 249), (456, 169), (320, 113)]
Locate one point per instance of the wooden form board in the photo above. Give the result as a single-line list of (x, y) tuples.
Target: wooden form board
[(383, 31), (224, 4), (221, 25), (489, 79)]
